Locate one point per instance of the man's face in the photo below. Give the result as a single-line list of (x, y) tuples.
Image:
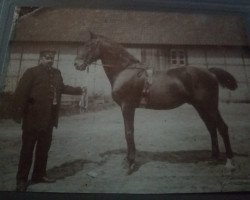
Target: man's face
[(47, 60)]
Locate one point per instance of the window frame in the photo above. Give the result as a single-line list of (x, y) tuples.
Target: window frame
[(178, 57)]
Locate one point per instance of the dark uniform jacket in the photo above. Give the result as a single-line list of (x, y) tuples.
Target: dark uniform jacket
[(34, 95)]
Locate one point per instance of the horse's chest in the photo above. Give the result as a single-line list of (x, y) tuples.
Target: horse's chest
[(127, 86)]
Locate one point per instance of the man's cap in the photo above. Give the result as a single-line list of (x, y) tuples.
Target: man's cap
[(47, 53)]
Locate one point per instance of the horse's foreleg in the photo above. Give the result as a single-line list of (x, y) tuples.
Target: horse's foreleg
[(128, 113)]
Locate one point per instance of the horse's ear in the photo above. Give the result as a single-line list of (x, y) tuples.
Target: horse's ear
[(92, 35)]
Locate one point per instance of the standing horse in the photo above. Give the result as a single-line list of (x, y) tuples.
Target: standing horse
[(168, 90)]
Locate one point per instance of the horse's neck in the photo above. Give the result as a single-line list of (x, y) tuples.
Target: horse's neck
[(111, 74), (114, 62)]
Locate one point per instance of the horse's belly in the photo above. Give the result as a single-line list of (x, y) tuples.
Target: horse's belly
[(167, 97), (164, 104)]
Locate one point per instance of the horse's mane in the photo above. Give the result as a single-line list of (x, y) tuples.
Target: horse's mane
[(115, 48)]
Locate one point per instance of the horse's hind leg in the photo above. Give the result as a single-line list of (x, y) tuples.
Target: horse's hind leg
[(223, 130), (128, 113), (209, 118), (213, 121)]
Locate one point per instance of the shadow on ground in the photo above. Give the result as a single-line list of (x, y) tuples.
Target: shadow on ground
[(191, 156), (142, 157), (68, 169)]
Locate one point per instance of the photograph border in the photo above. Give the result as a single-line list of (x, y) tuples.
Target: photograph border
[(7, 7)]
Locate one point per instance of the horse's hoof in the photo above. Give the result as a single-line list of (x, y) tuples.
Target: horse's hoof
[(127, 163), (132, 168), (230, 164)]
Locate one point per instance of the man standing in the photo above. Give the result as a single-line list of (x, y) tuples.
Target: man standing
[(36, 103)]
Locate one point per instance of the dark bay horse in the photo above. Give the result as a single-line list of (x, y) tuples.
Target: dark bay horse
[(169, 89)]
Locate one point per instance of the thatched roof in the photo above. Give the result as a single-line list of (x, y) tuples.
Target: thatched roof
[(132, 27)]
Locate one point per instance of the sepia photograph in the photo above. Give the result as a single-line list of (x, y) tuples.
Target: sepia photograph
[(125, 101)]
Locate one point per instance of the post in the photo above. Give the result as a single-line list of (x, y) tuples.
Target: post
[(6, 24)]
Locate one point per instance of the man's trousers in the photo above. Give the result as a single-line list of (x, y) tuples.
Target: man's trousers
[(42, 140)]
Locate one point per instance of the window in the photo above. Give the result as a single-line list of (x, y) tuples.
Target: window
[(177, 57)]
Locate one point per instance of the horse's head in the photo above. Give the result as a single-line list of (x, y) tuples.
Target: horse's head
[(88, 54)]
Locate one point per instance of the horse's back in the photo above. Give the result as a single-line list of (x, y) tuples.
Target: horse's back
[(180, 85), (194, 77)]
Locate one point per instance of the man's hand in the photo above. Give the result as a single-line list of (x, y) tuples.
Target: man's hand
[(84, 89)]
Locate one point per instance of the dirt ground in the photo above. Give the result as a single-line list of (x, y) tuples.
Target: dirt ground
[(173, 153)]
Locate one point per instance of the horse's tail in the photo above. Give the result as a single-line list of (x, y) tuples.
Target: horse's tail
[(224, 78)]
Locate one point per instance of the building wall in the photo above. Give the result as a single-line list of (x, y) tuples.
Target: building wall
[(235, 60)]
